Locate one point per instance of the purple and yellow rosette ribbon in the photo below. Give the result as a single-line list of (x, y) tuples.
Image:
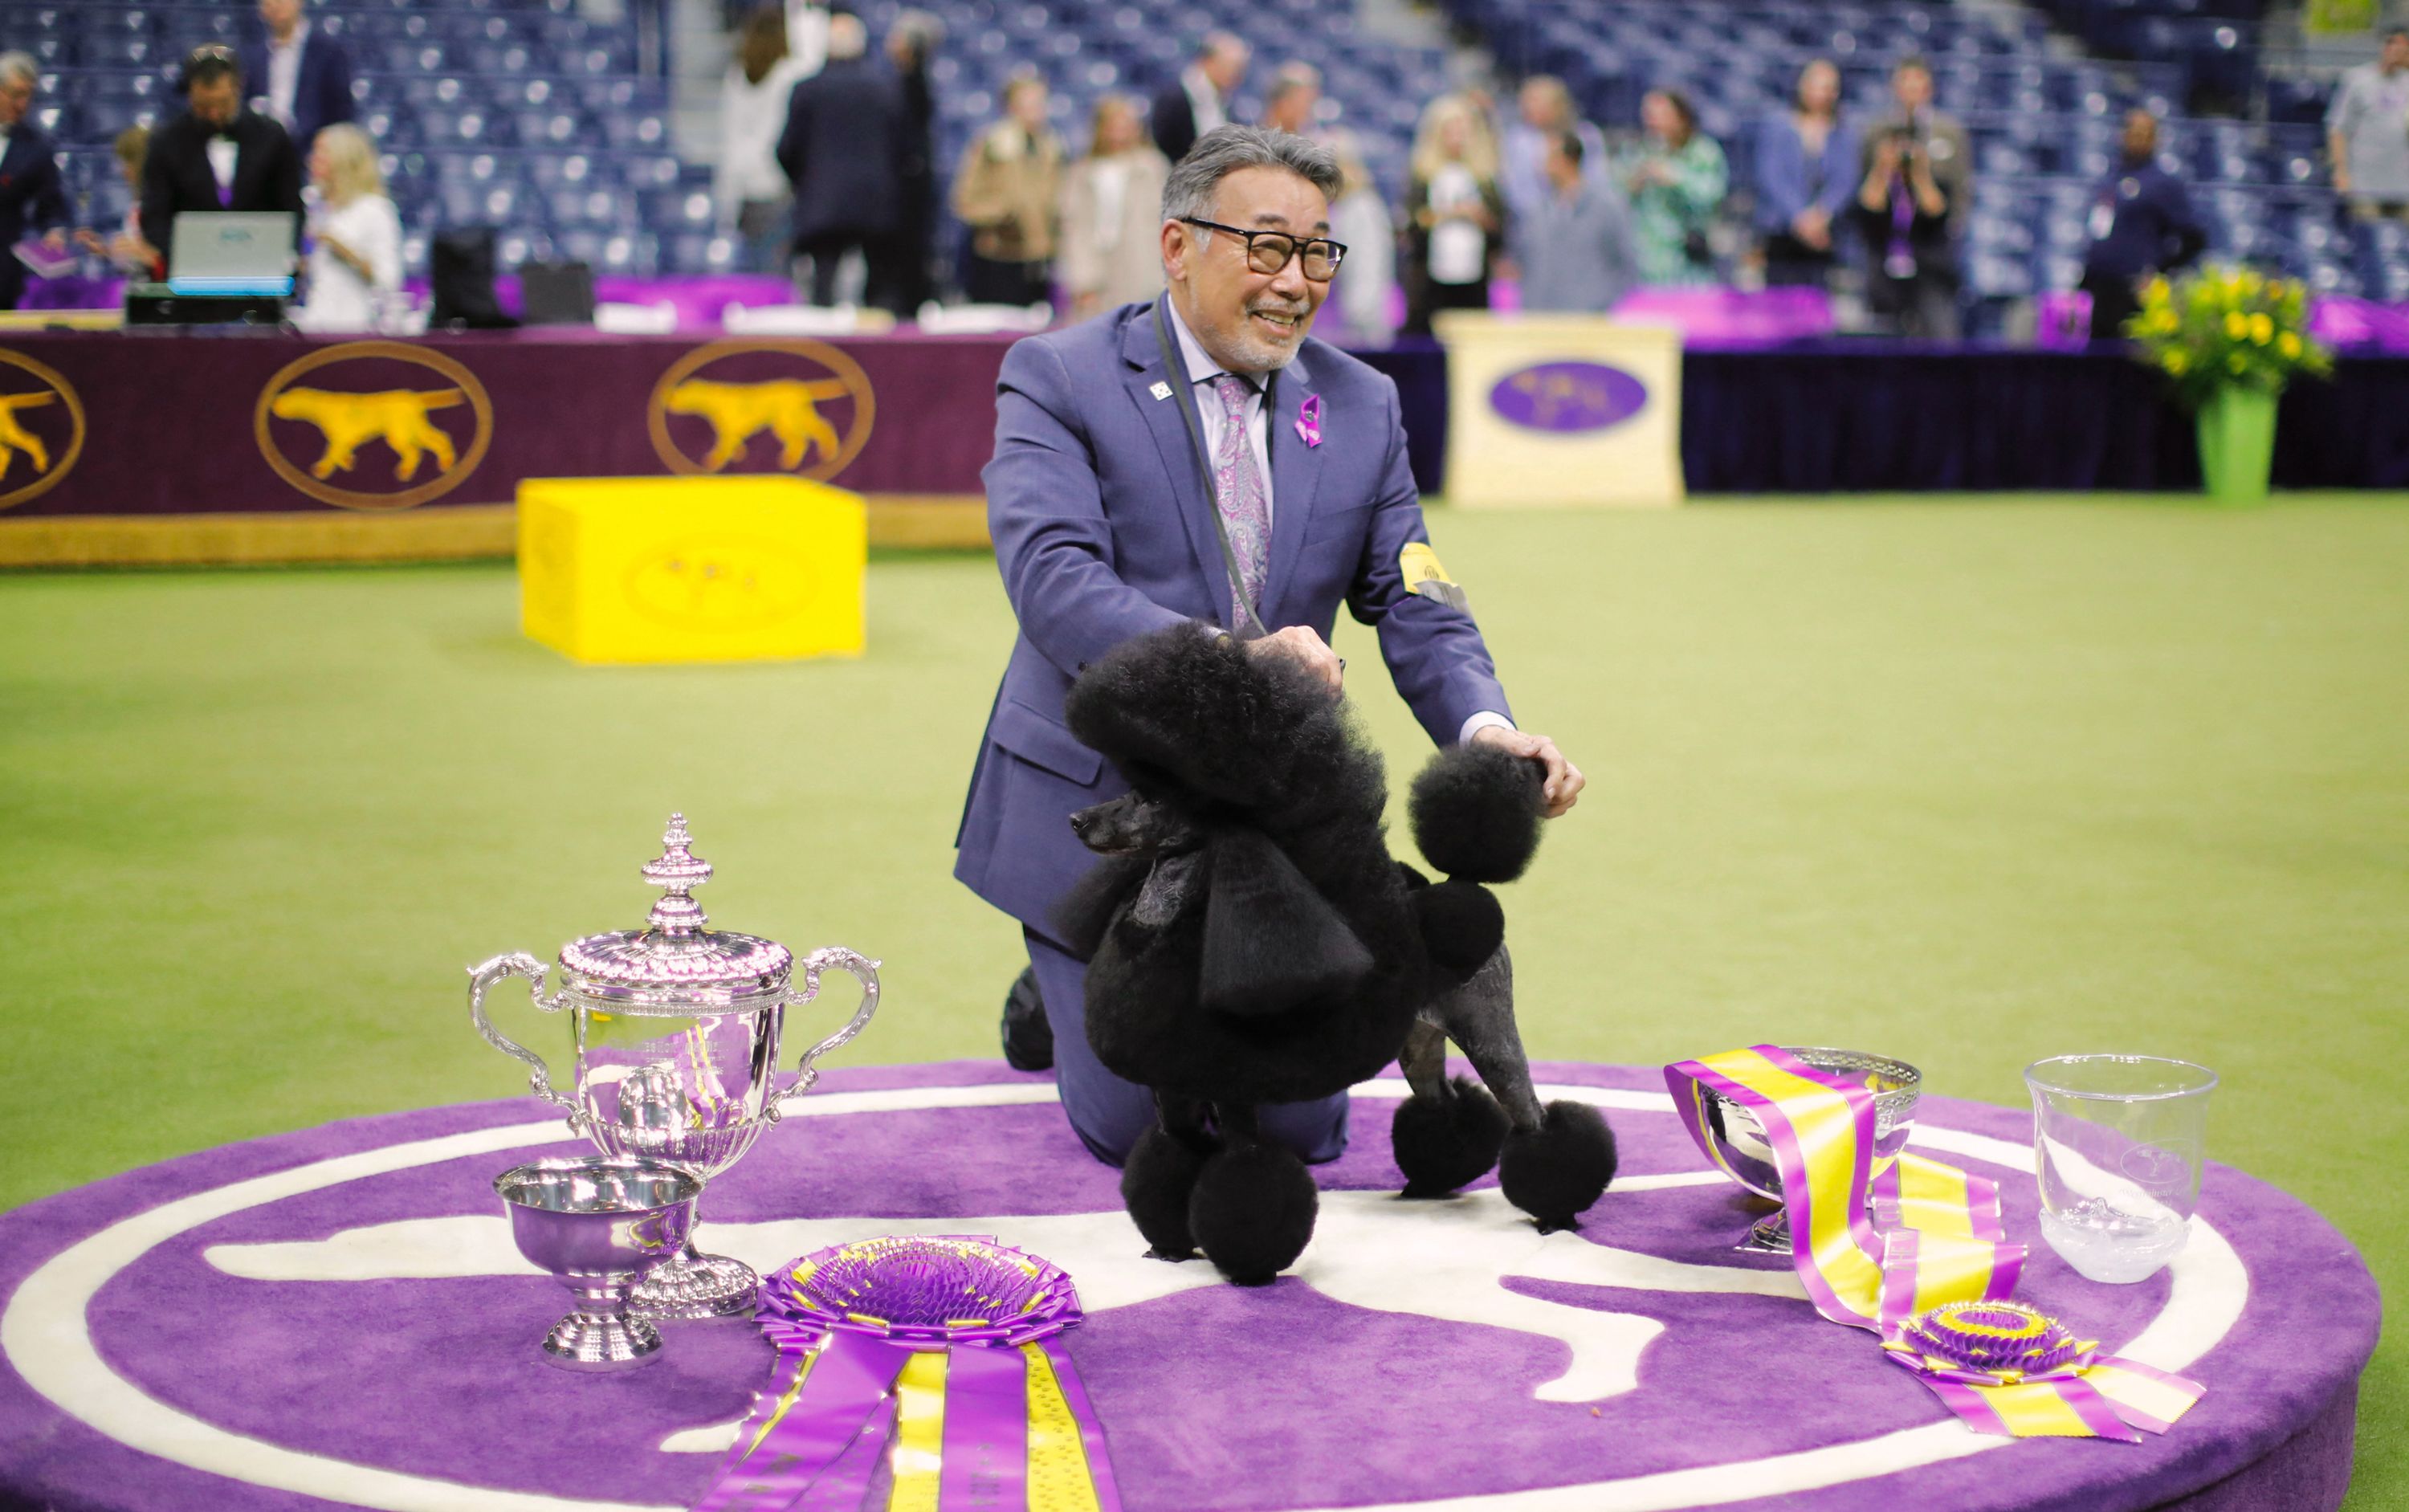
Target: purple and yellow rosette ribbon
[(932, 1365), (1915, 1252)]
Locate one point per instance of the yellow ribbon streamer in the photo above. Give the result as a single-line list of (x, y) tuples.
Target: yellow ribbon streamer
[(919, 1433)]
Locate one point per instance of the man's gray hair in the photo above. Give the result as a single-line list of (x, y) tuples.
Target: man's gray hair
[(19, 67), (1291, 77), (1225, 149)]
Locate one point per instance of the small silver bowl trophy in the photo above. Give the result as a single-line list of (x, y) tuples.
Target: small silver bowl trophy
[(676, 1038), (600, 1224), (1740, 1140)]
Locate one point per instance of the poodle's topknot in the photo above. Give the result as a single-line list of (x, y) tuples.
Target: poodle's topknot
[(1476, 813), (1186, 709)]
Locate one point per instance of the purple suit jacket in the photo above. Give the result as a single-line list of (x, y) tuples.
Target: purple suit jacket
[(1102, 532)]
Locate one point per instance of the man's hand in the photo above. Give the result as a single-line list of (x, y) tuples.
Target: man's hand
[(1310, 651), (55, 239), (1564, 780)]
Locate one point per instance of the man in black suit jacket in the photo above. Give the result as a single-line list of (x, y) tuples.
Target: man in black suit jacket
[(845, 144), (31, 198), (1200, 100), (321, 87), (217, 156)]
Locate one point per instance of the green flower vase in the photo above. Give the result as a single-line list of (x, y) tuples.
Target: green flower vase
[(2237, 444)]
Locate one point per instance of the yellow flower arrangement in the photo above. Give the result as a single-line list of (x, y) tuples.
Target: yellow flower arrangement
[(2218, 325)]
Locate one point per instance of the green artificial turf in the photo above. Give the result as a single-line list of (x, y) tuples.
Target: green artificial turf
[(1967, 782)]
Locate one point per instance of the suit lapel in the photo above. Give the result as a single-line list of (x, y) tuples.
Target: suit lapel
[(1296, 475), (1142, 350)]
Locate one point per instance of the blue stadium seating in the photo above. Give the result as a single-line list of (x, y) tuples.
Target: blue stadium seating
[(523, 114)]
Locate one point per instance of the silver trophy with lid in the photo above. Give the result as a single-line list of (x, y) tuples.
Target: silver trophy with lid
[(676, 1043)]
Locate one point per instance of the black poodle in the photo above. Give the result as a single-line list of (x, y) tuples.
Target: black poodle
[(1250, 941)]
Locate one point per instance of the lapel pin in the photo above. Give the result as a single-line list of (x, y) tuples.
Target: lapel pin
[(1308, 420), (1160, 391)]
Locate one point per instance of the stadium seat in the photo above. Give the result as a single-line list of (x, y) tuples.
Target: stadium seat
[(522, 111)]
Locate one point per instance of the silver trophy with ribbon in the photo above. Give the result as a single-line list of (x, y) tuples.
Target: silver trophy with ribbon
[(675, 1041)]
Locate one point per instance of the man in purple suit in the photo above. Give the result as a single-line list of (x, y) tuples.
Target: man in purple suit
[(1104, 530)]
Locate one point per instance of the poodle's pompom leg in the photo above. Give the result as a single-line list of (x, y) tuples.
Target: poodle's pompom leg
[(1160, 1173), (1445, 1141), (1252, 1210), (1556, 1171), (1461, 926), (1157, 1180), (1476, 810)]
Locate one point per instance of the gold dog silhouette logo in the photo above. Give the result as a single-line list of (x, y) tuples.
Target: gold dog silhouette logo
[(42, 428), (768, 406), (358, 425)]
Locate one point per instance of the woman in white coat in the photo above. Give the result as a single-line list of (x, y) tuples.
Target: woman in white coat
[(748, 186), (1111, 250), (355, 256)]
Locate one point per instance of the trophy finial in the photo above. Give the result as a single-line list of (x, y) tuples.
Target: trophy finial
[(677, 872)]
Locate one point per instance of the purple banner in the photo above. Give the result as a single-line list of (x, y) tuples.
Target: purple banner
[(196, 421)]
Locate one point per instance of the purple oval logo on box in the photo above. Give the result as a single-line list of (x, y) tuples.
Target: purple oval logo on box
[(1568, 396)]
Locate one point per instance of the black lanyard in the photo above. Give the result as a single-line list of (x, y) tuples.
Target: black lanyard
[(1174, 372)]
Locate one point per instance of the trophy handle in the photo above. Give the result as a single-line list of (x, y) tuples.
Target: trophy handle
[(844, 960), (484, 979)]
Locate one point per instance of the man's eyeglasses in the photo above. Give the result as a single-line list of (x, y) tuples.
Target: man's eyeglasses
[(1268, 252)]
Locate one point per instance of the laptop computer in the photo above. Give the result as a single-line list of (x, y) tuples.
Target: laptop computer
[(231, 253)]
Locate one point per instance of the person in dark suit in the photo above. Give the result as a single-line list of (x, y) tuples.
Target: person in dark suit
[(1104, 531), (911, 46), (217, 156), (30, 197), (2141, 224), (1199, 100), (298, 77), (845, 149)]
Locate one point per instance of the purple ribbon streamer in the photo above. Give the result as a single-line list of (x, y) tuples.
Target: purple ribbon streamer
[(847, 1319), (850, 1379), (847, 1485), (986, 1464)]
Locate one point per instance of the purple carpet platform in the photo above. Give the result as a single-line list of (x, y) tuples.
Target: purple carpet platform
[(338, 1316)]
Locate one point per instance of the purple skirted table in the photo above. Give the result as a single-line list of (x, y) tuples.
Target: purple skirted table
[(337, 1315)]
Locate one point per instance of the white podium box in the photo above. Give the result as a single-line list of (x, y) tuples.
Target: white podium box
[(1561, 411)]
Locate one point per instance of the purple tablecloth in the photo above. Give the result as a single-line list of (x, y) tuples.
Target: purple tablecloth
[(338, 1312)]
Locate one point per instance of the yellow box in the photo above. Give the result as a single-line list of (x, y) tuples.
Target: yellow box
[(671, 569)]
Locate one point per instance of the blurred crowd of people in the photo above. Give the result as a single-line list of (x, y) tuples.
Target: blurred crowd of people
[(1573, 216), (828, 172), (266, 127)]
